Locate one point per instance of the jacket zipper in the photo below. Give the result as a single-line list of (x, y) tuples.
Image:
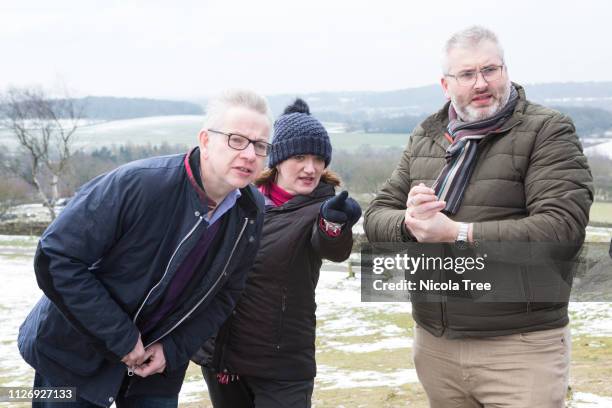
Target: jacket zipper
[(167, 266), (281, 318), (130, 372), (444, 311), (223, 272), (444, 296), (527, 288)]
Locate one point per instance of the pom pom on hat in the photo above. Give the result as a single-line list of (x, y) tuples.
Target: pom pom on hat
[(299, 106)]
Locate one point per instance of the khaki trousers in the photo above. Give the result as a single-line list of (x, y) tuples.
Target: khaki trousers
[(515, 371)]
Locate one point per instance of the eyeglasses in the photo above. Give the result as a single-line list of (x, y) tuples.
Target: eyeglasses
[(239, 142), (490, 74)]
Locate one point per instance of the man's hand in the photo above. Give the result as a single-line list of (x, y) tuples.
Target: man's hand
[(155, 361), (136, 356), (436, 228), (422, 203)]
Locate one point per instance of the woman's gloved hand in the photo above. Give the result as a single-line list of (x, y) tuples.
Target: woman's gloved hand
[(341, 209)]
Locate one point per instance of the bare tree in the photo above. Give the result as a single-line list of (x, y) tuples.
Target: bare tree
[(44, 128)]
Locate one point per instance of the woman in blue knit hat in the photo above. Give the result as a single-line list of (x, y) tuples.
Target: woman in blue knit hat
[(265, 354)]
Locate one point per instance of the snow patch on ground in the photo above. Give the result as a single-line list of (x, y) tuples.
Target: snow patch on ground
[(341, 314), (591, 318), (19, 295), (340, 311), (384, 344), (147, 122), (586, 400), (21, 239), (192, 391), (603, 149), (336, 292), (329, 378)]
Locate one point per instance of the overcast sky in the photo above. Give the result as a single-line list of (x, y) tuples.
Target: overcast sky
[(191, 49)]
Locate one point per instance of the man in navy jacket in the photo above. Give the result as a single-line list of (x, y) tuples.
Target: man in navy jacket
[(147, 261)]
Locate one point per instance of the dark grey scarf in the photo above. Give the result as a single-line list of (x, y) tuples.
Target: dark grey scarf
[(461, 154)]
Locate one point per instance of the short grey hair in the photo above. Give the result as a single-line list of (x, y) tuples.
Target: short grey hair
[(469, 38), (235, 98)]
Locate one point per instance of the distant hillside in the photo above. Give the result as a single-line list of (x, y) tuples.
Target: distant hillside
[(373, 104), (427, 99), (589, 122), (590, 94), (111, 108), (588, 103), (356, 106)]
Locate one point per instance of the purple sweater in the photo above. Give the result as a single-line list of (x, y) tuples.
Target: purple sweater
[(183, 276)]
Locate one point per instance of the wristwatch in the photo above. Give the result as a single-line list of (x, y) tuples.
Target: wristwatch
[(462, 235)]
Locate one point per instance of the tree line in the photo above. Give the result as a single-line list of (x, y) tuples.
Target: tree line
[(47, 167), (362, 171)]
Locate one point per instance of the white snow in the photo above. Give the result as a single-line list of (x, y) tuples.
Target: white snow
[(19, 295), (332, 378), (385, 344), (334, 127), (192, 391), (342, 318), (603, 149), (21, 239), (335, 293), (32, 212), (146, 122), (598, 234), (591, 318), (586, 400)]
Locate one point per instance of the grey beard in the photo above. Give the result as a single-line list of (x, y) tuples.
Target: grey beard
[(468, 115)]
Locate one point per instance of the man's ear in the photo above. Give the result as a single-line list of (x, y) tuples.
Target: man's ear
[(444, 83), (203, 141)]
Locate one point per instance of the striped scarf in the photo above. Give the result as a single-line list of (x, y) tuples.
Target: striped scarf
[(461, 154)]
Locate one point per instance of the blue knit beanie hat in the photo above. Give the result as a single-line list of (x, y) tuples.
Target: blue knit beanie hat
[(297, 132)]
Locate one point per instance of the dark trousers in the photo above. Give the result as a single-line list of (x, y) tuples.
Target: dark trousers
[(257, 392), (137, 401)]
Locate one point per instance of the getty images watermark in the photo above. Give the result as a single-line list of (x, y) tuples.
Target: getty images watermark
[(420, 263), (488, 272)]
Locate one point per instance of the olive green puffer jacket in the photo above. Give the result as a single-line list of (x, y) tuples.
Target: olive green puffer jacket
[(531, 183)]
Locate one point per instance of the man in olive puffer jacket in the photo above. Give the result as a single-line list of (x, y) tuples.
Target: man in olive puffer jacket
[(490, 166)]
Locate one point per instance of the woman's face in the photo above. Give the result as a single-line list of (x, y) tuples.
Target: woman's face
[(300, 174)]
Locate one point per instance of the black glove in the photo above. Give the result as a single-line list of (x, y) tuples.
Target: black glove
[(341, 209)]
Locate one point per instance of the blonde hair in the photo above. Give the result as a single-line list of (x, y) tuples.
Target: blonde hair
[(220, 104)]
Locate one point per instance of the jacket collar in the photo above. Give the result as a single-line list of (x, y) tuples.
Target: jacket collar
[(192, 167), (250, 200)]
